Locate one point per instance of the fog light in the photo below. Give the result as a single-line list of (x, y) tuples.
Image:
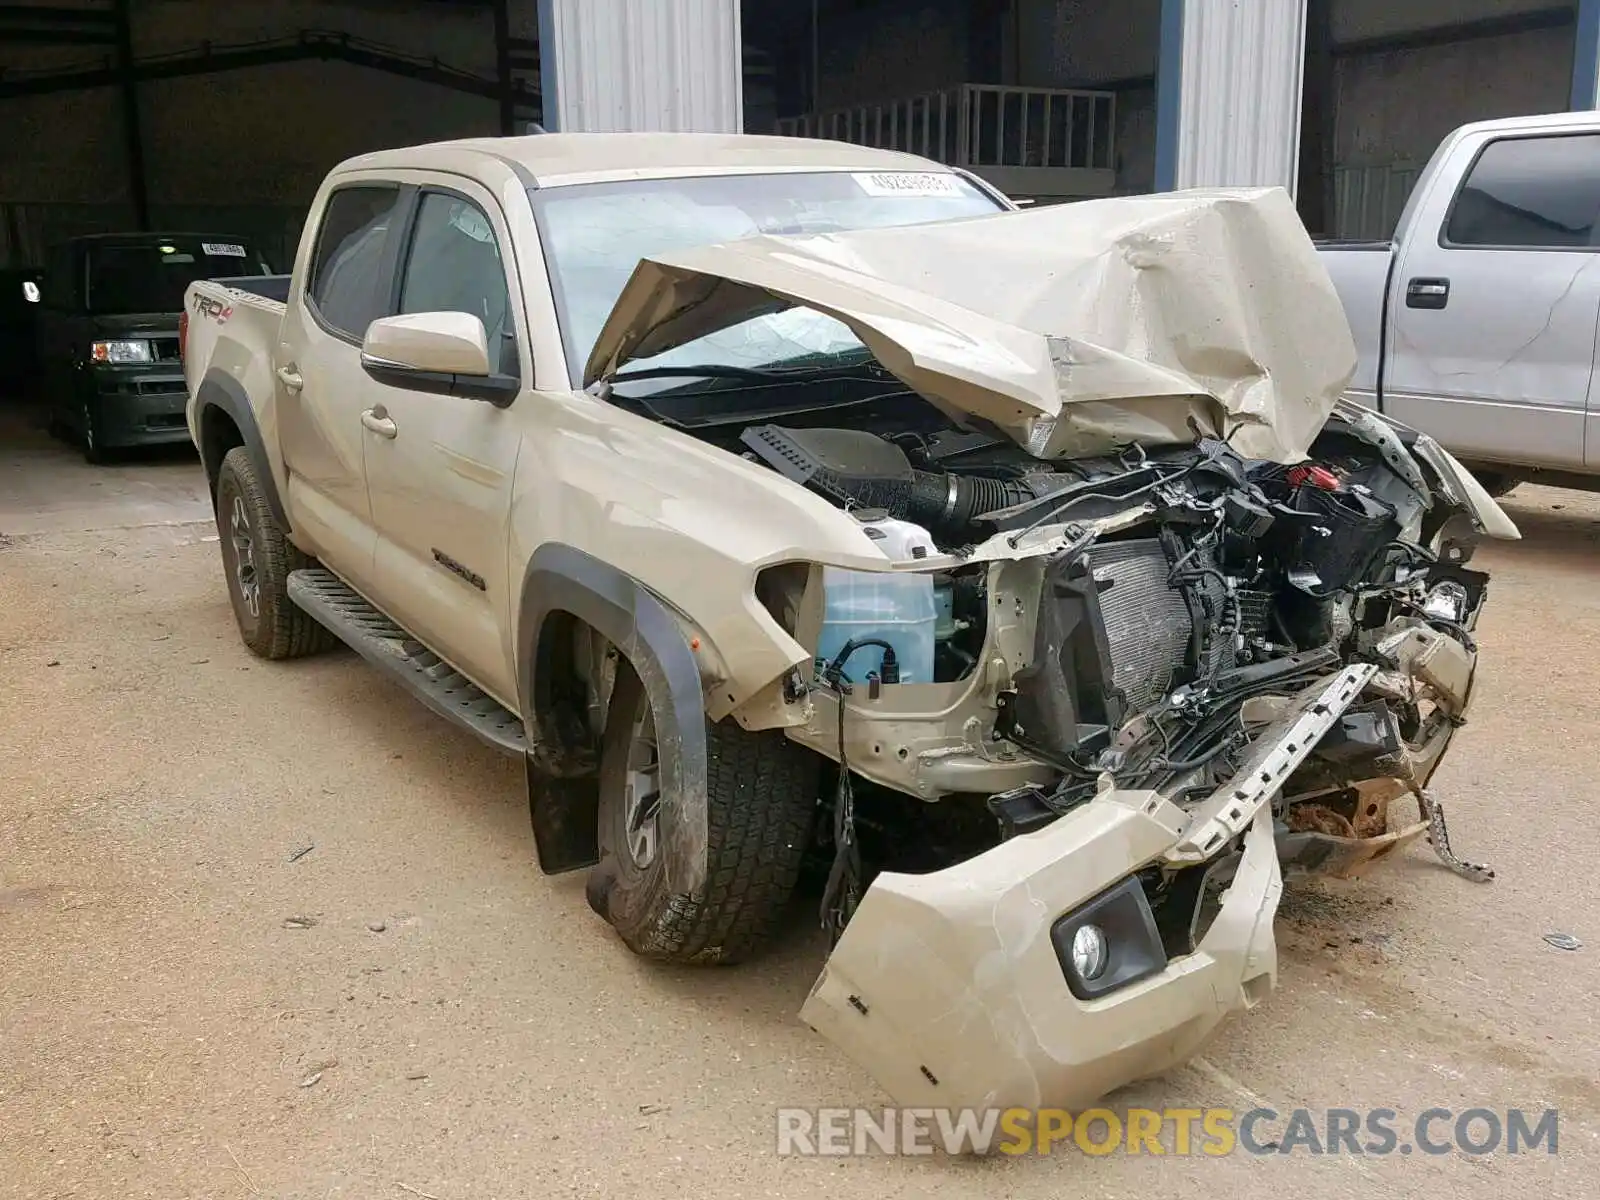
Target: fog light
[(1109, 942), (1089, 952)]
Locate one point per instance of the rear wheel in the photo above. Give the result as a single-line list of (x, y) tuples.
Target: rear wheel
[(761, 802), (257, 558)]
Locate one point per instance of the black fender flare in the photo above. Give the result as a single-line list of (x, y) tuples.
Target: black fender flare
[(222, 392), (563, 790)]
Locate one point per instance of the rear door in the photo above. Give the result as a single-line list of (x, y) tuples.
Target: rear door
[(439, 467), (1495, 300), (322, 389)]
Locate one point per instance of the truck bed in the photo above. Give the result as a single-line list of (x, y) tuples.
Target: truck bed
[(232, 337), (268, 287)]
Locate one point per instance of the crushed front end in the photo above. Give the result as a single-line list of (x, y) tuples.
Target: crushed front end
[(1158, 620), (1193, 674)]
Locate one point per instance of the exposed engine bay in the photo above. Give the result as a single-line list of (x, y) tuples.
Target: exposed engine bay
[(1154, 619), (1210, 674), (1196, 595)]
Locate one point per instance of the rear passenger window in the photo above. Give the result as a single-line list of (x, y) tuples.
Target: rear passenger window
[(1537, 193), (348, 286)]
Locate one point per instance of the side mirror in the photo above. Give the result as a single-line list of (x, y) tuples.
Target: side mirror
[(446, 353)]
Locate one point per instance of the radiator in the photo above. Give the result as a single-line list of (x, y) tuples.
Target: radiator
[(1147, 623)]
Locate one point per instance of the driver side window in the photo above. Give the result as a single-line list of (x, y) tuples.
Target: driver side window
[(453, 265)]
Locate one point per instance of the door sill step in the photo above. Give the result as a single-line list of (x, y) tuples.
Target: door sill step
[(333, 603)]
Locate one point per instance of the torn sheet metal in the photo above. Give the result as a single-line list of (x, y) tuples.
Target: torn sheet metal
[(1460, 486), (1434, 660), (1313, 852), (1275, 756), (1076, 328)]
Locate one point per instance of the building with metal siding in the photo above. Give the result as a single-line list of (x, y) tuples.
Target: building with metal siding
[(642, 65), (1228, 91), (241, 109), (1341, 101)]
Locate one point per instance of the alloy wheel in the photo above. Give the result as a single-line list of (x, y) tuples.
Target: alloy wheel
[(244, 558), (642, 792)]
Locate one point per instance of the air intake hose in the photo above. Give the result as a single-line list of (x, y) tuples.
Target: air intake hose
[(860, 469), (954, 502)]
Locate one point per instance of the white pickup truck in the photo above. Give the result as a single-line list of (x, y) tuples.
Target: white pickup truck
[(1477, 322), (780, 500)]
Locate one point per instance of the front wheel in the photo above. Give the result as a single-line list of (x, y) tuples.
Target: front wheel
[(258, 557), (761, 803), (94, 452)]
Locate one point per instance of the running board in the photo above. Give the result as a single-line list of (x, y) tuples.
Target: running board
[(333, 603)]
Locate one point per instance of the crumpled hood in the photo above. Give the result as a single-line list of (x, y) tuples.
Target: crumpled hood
[(1075, 328)]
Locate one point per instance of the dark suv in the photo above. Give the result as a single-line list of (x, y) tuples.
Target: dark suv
[(108, 332)]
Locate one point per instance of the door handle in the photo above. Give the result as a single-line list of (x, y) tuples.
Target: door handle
[(378, 420), (1427, 293), (291, 379)]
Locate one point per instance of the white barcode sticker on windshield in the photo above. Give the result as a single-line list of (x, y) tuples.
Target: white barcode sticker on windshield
[(908, 183), (223, 250)]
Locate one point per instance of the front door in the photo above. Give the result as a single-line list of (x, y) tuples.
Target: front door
[(440, 468), (321, 386), (1493, 311)]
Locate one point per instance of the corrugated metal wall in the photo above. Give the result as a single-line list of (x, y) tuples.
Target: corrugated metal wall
[(1368, 200), (641, 65), (1238, 120), (1394, 106)]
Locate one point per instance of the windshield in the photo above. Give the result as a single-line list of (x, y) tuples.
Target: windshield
[(595, 234), (151, 277)]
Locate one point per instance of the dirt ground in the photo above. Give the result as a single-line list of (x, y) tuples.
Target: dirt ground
[(449, 1023)]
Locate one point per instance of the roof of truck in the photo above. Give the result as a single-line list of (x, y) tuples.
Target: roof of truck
[(553, 159), (1538, 122)]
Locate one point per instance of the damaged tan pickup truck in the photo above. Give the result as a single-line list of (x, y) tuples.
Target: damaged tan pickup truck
[(783, 503)]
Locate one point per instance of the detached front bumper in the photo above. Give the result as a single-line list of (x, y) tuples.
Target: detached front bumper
[(948, 988), (951, 990)]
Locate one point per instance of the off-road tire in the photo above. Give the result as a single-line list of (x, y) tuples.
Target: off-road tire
[(761, 805), (278, 629)]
